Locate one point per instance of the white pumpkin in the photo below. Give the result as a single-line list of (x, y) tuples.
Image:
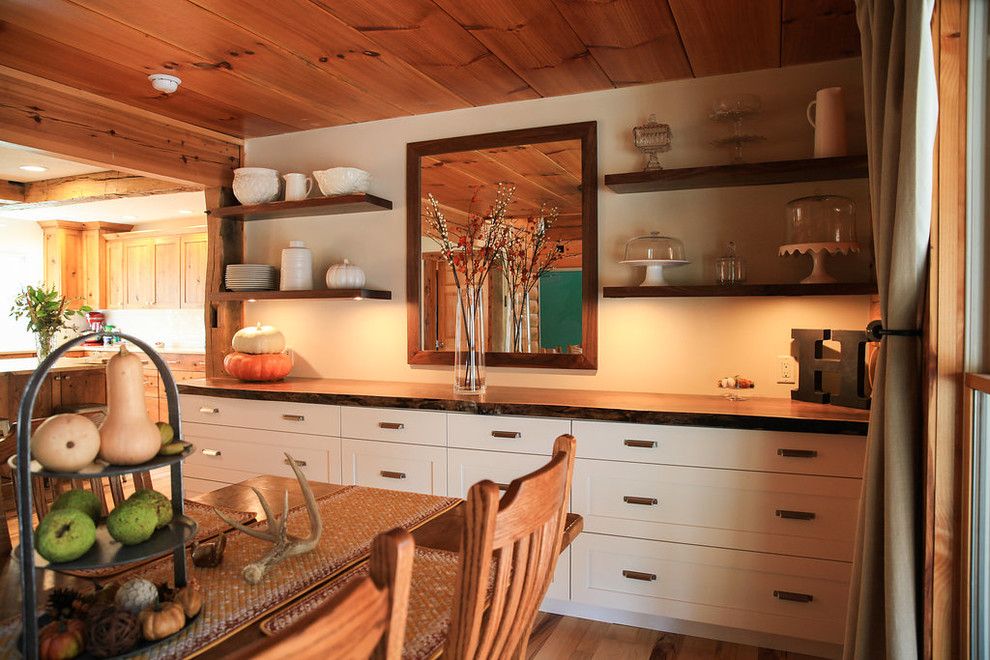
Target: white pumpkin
[(136, 594), (259, 339), (345, 276), (66, 443)]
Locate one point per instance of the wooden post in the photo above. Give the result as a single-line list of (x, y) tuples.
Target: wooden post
[(225, 245)]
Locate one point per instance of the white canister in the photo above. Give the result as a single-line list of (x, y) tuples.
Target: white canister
[(255, 185), (297, 186), (297, 267), (829, 120)]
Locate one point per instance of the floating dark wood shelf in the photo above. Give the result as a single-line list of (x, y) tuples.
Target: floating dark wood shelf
[(741, 290), (746, 174), (312, 294), (357, 203)]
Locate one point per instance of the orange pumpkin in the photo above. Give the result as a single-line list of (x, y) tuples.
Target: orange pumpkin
[(260, 367), (62, 639)]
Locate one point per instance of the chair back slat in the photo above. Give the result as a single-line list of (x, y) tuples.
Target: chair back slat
[(520, 536)]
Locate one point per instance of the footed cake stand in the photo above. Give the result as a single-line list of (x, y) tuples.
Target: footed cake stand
[(818, 251), (654, 269)]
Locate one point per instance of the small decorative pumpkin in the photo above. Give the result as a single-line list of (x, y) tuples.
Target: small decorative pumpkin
[(62, 639), (127, 435), (66, 442), (190, 599), (136, 594), (161, 620), (259, 339), (345, 276), (263, 367)]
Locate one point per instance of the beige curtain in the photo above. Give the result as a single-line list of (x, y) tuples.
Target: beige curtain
[(901, 111)]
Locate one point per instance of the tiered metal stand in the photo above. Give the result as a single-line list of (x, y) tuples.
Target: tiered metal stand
[(106, 551)]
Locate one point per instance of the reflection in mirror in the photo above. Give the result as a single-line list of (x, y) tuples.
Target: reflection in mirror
[(540, 298)]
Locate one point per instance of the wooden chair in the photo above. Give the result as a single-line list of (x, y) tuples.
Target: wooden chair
[(367, 619), (519, 538)]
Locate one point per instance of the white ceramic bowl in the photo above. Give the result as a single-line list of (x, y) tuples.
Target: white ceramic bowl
[(342, 180), (255, 185)]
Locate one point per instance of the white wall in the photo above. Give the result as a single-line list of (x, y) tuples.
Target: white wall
[(660, 345), (20, 264)]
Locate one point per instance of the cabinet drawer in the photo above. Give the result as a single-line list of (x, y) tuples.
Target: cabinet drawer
[(528, 435), (394, 466), (789, 596), (743, 449), (783, 513), (185, 361), (178, 377), (263, 452), (421, 427), (150, 383), (272, 415), (466, 467)]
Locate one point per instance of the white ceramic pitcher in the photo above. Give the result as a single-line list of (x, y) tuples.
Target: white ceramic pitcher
[(827, 113), (297, 186)]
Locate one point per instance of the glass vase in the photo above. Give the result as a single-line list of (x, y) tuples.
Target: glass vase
[(520, 323), (44, 343), (469, 350)]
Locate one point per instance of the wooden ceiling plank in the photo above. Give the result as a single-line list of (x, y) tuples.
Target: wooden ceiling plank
[(52, 118), (429, 39), (218, 44), (534, 40), (322, 40), (729, 37), (11, 192), (818, 31), (97, 186), (634, 41), (70, 66)]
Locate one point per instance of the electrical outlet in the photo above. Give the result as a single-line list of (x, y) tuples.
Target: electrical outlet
[(786, 369)]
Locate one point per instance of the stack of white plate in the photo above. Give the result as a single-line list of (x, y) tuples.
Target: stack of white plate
[(250, 277)]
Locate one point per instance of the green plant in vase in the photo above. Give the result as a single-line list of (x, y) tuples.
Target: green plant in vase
[(47, 312)]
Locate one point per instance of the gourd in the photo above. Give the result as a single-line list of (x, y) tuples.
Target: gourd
[(161, 620), (190, 599), (136, 594), (127, 435), (62, 639), (262, 367), (345, 276), (260, 339), (66, 443)]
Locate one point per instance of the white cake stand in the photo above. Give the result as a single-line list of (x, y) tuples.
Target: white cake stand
[(654, 269), (818, 252)]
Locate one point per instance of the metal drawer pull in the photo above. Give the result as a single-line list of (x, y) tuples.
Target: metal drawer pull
[(645, 577), (299, 463), (392, 475), (171, 362), (793, 596), (209, 411), (797, 453), (795, 515), (507, 434), (294, 418), (211, 452), (395, 426), (502, 486), (648, 501), (642, 444)]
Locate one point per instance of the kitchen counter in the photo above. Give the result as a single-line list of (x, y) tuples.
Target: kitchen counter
[(167, 348), (26, 366), (640, 407)]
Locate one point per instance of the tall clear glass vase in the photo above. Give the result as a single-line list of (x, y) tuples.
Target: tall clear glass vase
[(469, 352), (44, 342)]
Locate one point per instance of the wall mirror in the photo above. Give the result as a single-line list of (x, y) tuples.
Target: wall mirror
[(554, 173)]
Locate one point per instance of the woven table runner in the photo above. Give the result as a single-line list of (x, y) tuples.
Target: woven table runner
[(430, 599), (209, 524), (351, 516)]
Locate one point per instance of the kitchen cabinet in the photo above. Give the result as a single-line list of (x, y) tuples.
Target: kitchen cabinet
[(183, 366), (745, 174), (75, 259), (163, 272), (60, 388)]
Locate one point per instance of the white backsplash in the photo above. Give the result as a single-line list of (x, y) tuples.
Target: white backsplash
[(176, 328)]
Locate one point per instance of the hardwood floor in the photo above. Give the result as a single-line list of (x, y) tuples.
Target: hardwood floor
[(558, 637)]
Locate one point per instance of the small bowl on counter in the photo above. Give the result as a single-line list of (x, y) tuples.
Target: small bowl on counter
[(342, 180)]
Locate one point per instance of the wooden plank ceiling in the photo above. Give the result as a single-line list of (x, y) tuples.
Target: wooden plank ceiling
[(252, 68)]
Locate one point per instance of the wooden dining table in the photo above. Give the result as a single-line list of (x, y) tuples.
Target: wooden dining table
[(439, 533)]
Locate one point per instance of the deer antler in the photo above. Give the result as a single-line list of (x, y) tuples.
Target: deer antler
[(285, 545)]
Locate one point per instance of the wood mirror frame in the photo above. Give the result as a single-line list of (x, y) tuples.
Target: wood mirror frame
[(587, 134)]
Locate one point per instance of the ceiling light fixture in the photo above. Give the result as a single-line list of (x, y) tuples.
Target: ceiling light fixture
[(33, 168), (164, 82)]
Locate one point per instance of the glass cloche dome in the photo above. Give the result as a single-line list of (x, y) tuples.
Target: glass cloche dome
[(654, 252)]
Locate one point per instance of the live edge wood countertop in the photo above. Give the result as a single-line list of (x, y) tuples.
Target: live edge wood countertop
[(640, 407)]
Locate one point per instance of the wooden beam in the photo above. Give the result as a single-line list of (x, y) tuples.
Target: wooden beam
[(56, 119), (944, 619), (95, 187), (11, 191)]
